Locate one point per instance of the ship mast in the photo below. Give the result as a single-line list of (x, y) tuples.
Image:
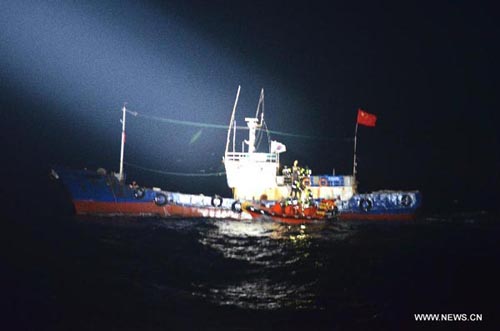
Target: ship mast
[(251, 174), (253, 123), (120, 175), (231, 122)]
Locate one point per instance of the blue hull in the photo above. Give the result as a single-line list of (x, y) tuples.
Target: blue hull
[(380, 205), (104, 195), (91, 186), (94, 193)]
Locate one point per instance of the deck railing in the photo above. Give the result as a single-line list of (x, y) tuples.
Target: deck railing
[(253, 157)]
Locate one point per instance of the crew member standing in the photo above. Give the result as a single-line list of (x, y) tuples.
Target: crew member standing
[(295, 179)]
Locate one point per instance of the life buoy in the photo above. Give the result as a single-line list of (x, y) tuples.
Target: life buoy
[(216, 201), (139, 193), (406, 200), (160, 199), (306, 182), (365, 205), (236, 206), (323, 181)]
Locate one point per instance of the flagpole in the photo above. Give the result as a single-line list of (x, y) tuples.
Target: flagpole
[(355, 145)]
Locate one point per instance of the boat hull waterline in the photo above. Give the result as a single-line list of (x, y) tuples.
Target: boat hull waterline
[(104, 195)]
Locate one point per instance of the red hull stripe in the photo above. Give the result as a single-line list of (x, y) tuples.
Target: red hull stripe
[(150, 208)]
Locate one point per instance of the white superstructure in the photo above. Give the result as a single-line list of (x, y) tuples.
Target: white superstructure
[(250, 174), (255, 175)]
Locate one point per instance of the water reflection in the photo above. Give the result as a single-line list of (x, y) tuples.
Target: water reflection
[(279, 264), (261, 293)]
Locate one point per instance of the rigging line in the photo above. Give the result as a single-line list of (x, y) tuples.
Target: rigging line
[(287, 134), (268, 135), (225, 127), (171, 173), (260, 134), (189, 123)]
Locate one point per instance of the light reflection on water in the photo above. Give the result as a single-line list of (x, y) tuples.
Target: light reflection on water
[(261, 293), (250, 265), (280, 264)]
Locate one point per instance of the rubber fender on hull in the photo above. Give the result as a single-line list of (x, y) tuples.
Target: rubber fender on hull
[(216, 201), (236, 206), (160, 199), (406, 200), (323, 181), (365, 204)]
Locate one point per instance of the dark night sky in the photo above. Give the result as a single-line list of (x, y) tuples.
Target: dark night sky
[(428, 71)]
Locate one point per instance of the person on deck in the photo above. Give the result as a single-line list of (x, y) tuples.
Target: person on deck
[(295, 179)]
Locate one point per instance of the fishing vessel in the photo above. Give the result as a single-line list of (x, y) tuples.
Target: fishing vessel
[(261, 187), (294, 195), (102, 193)]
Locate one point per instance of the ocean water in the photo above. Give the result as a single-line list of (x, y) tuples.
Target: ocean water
[(64, 272)]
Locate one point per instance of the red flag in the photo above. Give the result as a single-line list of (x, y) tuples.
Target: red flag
[(365, 118)]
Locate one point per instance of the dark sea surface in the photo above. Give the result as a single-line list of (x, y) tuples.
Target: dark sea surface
[(62, 272)]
